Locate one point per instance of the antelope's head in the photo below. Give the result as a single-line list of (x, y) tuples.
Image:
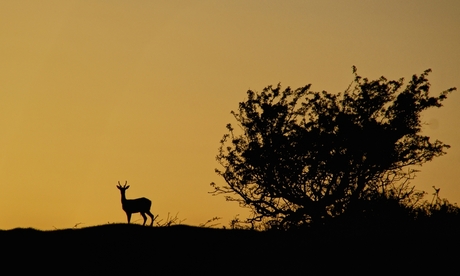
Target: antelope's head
[(124, 187)]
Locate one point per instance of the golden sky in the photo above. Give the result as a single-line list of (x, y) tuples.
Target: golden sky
[(92, 92)]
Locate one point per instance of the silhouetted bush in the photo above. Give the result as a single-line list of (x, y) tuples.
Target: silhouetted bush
[(300, 157)]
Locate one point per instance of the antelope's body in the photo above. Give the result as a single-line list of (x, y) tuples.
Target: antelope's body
[(139, 205)]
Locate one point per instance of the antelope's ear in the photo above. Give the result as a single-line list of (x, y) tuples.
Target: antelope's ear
[(127, 187)]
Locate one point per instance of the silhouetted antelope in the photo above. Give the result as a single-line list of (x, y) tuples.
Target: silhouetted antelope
[(138, 205)]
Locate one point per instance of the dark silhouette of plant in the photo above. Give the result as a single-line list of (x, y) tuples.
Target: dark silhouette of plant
[(439, 208), (237, 224), (304, 157), (169, 221), (210, 223), (138, 205)]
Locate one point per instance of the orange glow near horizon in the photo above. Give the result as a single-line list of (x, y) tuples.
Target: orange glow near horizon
[(95, 92)]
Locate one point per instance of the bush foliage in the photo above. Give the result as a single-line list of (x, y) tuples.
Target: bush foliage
[(299, 157)]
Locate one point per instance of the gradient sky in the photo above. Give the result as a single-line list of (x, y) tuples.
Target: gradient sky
[(92, 92)]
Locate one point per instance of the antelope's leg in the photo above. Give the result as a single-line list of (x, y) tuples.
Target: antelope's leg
[(151, 216), (145, 218)]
